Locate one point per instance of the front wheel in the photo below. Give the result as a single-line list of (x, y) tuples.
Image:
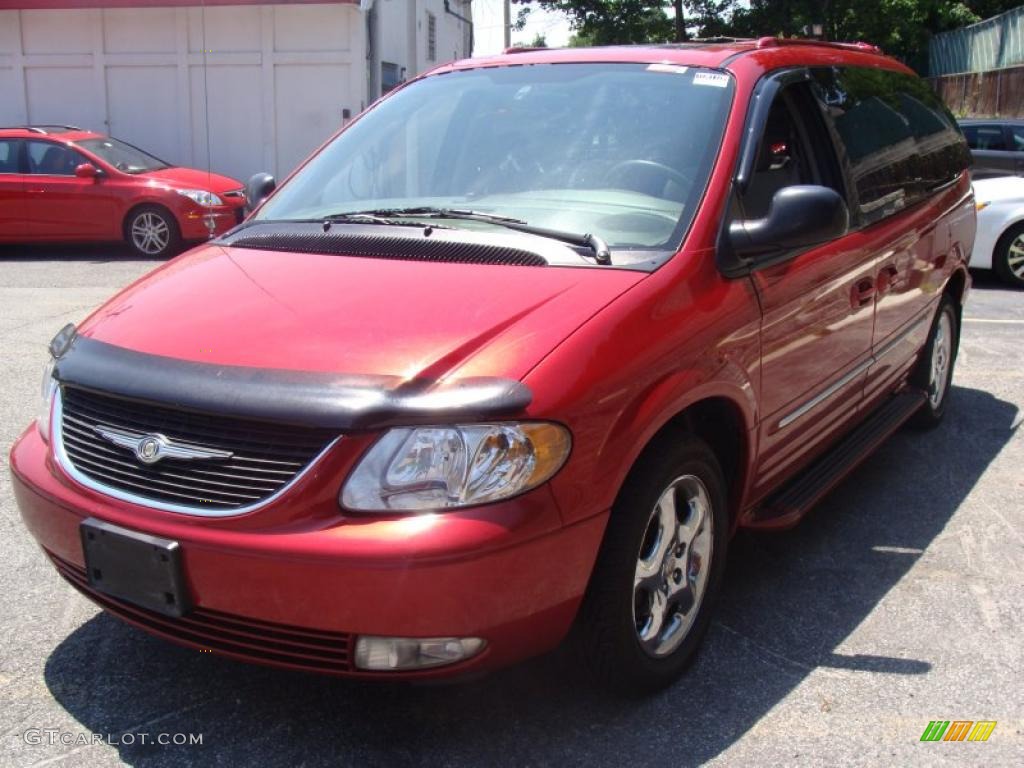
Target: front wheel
[(658, 572), (152, 232), (935, 368), (1008, 257)]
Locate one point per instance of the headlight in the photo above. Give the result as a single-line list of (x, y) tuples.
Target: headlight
[(49, 389), (424, 468), (200, 196)]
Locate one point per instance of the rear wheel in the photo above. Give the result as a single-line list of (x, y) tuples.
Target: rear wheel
[(659, 570), (1008, 257), (152, 232), (934, 370)]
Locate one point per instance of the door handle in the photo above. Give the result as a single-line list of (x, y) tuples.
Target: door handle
[(36, 191), (863, 292), (886, 278)]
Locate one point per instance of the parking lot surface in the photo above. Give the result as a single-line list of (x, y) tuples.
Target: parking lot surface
[(900, 600)]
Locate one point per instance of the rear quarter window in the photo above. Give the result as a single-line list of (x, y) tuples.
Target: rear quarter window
[(898, 141), (1017, 137), (8, 156)]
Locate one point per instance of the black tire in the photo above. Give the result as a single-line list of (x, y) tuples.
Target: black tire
[(166, 237), (606, 637), (1002, 255), (931, 412)]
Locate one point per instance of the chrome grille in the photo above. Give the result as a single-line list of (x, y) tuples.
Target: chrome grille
[(264, 457)]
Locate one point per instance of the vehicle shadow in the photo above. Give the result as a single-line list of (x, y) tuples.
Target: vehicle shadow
[(987, 280), (96, 252), (789, 602)]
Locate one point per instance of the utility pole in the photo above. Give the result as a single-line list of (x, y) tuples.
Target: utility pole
[(507, 19), (680, 21)]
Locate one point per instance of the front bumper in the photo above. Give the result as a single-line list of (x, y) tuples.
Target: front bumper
[(291, 586), (200, 224)]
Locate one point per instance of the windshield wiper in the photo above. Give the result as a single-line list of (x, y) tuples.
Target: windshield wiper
[(602, 254), (363, 217)]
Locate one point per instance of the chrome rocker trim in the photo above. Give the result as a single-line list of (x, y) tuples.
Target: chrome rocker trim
[(821, 397)]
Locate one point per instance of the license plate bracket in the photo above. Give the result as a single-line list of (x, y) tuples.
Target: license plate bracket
[(136, 567)]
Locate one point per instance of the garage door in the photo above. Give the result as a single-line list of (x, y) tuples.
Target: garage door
[(245, 88)]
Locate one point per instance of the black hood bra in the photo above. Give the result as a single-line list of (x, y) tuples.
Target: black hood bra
[(307, 398)]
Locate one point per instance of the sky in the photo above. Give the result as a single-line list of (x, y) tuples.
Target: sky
[(487, 27)]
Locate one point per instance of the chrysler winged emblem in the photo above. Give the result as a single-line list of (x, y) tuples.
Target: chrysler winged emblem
[(149, 448)]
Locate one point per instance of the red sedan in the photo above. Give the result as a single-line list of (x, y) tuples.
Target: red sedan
[(60, 183)]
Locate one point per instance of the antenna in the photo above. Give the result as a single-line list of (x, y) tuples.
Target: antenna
[(211, 224)]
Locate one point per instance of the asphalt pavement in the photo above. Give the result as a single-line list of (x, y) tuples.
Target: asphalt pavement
[(899, 601)]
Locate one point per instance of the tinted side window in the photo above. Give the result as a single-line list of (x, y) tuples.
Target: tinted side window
[(874, 136), (899, 141), (1017, 136), (9, 156), (942, 153), (988, 137), (51, 159)]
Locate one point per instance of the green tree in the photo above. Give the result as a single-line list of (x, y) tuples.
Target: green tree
[(580, 41), (613, 22), (986, 9), (901, 27)]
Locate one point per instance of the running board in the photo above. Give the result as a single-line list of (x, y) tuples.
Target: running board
[(785, 508)]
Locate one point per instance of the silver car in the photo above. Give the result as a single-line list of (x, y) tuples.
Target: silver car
[(997, 146)]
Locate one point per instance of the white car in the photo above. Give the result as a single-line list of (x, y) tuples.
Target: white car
[(999, 244)]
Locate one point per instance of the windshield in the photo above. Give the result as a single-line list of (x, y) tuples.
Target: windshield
[(123, 156), (622, 151)]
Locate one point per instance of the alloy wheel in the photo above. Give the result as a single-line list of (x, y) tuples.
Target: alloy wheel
[(673, 566), (150, 233), (942, 352), (1015, 257)]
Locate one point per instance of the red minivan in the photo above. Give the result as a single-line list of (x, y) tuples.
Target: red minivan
[(510, 359)]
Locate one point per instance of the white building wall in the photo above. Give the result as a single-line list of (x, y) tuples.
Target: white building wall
[(401, 35), (247, 88)]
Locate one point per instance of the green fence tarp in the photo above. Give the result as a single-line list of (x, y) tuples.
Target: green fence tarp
[(991, 44)]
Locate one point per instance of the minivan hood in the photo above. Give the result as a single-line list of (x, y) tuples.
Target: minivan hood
[(342, 314), (193, 178)]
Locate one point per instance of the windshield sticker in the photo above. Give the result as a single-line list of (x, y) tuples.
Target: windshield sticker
[(672, 68), (711, 78)]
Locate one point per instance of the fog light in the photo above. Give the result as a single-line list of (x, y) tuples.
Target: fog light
[(395, 653)]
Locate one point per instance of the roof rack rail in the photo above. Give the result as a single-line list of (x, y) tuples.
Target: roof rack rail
[(720, 39), (41, 128), (524, 49), (773, 42)]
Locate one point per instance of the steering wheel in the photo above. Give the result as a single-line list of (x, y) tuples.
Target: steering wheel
[(649, 167)]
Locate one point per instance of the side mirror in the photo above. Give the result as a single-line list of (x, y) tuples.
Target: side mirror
[(798, 217), (87, 171), (258, 189)]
